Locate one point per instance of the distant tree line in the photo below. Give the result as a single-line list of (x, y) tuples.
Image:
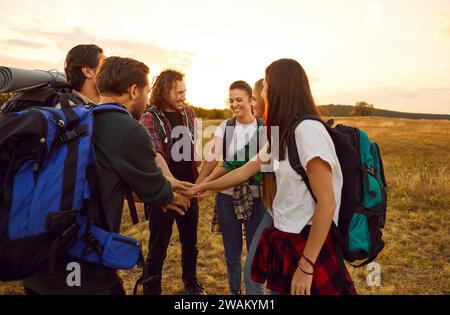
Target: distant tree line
[(212, 113), (338, 110), (360, 109)]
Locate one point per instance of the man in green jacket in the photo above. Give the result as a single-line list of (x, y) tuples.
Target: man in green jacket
[(126, 157)]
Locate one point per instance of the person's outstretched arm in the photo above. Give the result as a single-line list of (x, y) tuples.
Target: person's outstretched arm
[(233, 178), (211, 162), (217, 173)]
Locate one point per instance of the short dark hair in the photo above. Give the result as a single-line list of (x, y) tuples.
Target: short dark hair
[(117, 75), (78, 57), (241, 85), (162, 84)]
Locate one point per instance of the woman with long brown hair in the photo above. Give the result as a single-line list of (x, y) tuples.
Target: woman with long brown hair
[(297, 255)]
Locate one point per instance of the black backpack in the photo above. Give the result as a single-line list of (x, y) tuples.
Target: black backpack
[(362, 212), (49, 95)]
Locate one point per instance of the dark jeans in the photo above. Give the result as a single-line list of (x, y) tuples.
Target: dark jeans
[(252, 287), (160, 233), (231, 229)]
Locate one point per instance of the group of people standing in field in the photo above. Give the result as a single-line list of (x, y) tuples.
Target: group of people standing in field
[(259, 197)]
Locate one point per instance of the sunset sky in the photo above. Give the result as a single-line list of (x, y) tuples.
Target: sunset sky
[(394, 54)]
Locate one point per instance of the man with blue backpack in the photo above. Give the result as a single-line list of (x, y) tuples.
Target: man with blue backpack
[(65, 174)]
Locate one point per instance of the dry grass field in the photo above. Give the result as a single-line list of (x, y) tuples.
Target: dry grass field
[(416, 259)]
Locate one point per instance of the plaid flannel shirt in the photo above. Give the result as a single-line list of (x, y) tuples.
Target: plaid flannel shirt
[(160, 132), (277, 256)]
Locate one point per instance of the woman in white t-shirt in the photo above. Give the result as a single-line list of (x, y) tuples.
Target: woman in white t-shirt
[(297, 255), (236, 140)]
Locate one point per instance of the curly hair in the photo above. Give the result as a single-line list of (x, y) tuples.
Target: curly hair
[(162, 84)]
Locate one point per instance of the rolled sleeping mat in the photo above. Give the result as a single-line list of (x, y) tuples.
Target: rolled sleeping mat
[(16, 79)]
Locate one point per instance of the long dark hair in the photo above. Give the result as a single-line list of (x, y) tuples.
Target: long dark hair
[(288, 98), (162, 85)]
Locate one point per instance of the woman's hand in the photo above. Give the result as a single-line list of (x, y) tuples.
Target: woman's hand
[(179, 186), (196, 190), (205, 194), (199, 192), (302, 282)]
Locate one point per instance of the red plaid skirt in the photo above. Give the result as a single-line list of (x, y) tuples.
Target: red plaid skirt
[(277, 256)]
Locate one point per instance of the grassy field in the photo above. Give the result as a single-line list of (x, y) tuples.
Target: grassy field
[(416, 259)]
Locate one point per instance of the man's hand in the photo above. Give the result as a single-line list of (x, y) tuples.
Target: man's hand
[(180, 204), (179, 186)]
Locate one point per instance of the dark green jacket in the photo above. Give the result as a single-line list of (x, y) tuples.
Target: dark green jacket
[(125, 154)]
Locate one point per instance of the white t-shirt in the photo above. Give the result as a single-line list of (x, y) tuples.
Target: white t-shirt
[(293, 206), (241, 136)]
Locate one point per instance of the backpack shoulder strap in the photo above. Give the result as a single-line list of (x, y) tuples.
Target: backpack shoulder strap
[(260, 122), (68, 111), (293, 156), (230, 123), (162, 130)]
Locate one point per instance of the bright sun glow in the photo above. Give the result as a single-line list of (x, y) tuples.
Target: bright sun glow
[(393, 54)]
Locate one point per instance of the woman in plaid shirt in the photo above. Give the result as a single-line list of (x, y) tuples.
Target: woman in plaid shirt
[(297, 255)]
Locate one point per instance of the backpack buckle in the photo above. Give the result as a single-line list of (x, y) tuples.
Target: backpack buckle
[(92, 244), (371, 170), (73, 134)]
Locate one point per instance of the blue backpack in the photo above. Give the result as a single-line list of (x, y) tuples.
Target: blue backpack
[(48, 184)]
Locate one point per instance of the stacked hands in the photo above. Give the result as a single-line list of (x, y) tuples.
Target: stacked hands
[(183, 192)]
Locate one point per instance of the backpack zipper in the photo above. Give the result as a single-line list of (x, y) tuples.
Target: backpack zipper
[(125, 241)]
